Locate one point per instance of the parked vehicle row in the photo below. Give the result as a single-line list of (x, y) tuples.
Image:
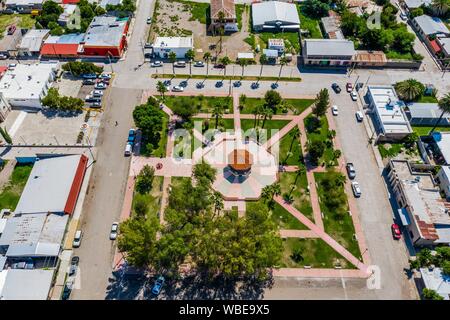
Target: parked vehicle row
[(130, 142), (100, 83)]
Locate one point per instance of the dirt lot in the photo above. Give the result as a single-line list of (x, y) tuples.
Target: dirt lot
[(175, 18)]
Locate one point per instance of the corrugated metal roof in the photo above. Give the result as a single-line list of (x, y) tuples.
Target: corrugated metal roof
[(27, 284), (32, 40), (105, 31), (271, 11), (49, 184), (329, 47), (425, 110), (431, 25)]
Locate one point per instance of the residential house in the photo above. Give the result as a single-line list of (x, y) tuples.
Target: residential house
[(430, 29), (32, 42), (414, 4), (275, 16), (68, 15), (226, 9), (435, 279), (391, 121), (331, 27), (328, 52), (423, 212)]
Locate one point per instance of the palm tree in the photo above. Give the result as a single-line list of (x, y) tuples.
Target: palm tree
[(217, 113), (217, 202), (283, 61), (276, 189), (172, 59), (161, 88), (440, 7), (266, 193), (410, 89), (221, 17), (225, 61), (295, 134), (262, 60), (288, 198), (256, 112), (190, 55), (267, 113), (340, 179), (243, 63), (207, 58), (444, 106)]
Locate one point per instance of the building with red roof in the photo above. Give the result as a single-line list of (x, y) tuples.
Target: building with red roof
[(65, 46)]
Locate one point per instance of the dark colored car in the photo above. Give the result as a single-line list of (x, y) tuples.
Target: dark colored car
[(359, 85), (158, 285), (88, 81), (199, 85), (89, 76), (336, 88), (219, 84), (219, 66), (74, 265), (11, 29), (67, 290), (396, 233), (255, 85)]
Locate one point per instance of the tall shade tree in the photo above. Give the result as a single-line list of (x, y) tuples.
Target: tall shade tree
[(283, 61), (225, 61), (172, 59), (262, 60), (440, 7), (190, 55), (217, 113), (266, 113), (409, 90), (322, 103), (207, 59), (444, 106), (221, 17), (243, 63), (161, 88)]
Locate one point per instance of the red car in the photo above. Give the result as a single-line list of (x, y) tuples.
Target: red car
[(396, 231), (349, 87)]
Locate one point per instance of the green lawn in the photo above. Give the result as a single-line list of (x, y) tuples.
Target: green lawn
[(223, 125), (427, 99), (338, 226), (315, 253), (395, 55), (310, 24), (24, 21), (298, 105), (176, 181), (291, 40), (199, 11), (280, 216), (320, 134), (153, 198), (390, 150), (10, 195), (248, 124), (423, 131), (239, 11), (299, 191), (203, 104), (290, 150)]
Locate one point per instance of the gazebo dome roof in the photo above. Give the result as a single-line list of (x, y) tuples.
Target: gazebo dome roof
[(240, 160)]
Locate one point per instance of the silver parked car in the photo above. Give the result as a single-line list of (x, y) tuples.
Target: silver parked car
[(114, 230)]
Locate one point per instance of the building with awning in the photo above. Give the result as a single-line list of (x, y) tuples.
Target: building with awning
[(275, 16)]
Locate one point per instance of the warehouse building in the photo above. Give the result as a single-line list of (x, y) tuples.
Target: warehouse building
[(180, 45), (25, 85), (328, 52), (275, 16), (16, 284)]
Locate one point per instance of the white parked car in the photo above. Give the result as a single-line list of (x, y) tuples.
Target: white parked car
[(100, 86), (114, 230), (97, 93), (353, 95), (334, 110), (128, 149), (106, 76), (199, 64), (155, 64), (356, 189), (77, 239), (149, 20), (359, 116), (177, 89), (180, 64)]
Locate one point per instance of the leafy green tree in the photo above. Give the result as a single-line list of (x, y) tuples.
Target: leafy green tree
[(428, 294), (423, 259), (190, 55), (316, 8), (316, 149), (440, 7), (149, 119), (144, 179), (77, 68), (217, 202), (444, 107), (205, 171), (161, 88), (322, 103), (51, 100), (403, 40), (416, 12), (140, 206), (272, 100), (183, 108), (410, 89)]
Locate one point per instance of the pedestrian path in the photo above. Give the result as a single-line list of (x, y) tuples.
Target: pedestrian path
[(304, 234)]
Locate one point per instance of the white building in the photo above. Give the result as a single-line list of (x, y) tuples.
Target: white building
[(27, 84), (275, 16), (442, 140), (32, 42), (276, 44), (17, 284), (435, 279), (68, 14), (444, 180), (328, 52), (391, 120), (180, 45)]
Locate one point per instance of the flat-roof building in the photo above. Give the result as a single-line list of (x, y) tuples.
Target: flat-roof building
[(414, 4), (443, 177), (428, 26), (435, 279), (275, 16), (67, 15), (426, 114), (64, 46), (32, 42), (16, 284), (23, 6), (27, 84), (53, 185), (332, 27), (390, 118), (106, 36), (422, 210), (328, 52), (180, 45), (442, 141)]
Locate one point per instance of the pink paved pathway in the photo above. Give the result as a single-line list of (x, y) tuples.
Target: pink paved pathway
[(331, 242), (244, 116), (285, 233), (319, 273), (280, 134)]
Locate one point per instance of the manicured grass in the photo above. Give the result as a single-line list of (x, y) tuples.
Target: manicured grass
[(217, 77), (299, 191), (290, 150), (153, 198), (315, 253), (176, 181), (338, 226), (298, 105), (10, 195), (291, 39), (280, 216), (320, 134), (248, 124), (395, 55), (390, 150), (199, 11), (310, 24), (427, 99), (239, 11), (423, 131), (202, 103), (223, 125), (25, 21)]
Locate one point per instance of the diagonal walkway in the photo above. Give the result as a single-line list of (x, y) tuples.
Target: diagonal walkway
[(284, 233), (321, 233)]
